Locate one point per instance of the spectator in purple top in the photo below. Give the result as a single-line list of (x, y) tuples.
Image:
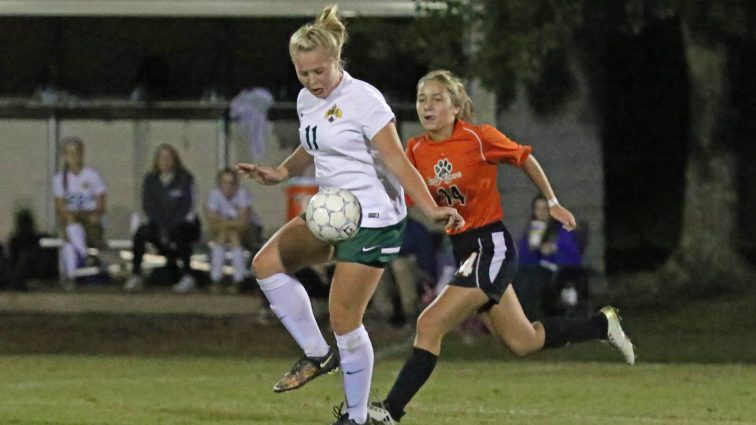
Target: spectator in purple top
[(551, 275)]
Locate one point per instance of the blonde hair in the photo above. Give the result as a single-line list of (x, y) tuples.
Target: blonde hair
[(73, 141), (327, 32), (456, 89), (77, 144)]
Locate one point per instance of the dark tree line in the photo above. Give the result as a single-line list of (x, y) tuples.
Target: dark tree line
[(525, 42)]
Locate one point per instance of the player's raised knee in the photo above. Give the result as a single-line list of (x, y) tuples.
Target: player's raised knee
[(429, 326), (520, 347), (263, 263)]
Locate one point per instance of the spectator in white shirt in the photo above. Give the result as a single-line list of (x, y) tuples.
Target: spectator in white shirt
[(232, 221), (80, 194)]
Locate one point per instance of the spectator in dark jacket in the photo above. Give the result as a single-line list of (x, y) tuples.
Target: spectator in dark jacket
[(169, 203)]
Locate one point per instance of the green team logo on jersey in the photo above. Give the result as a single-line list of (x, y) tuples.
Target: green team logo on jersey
[(333, 113)]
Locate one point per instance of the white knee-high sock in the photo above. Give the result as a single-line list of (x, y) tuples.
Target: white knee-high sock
[(290, 302), (77, 238), (68, 261), (239, 264), (216, 262), (357, 358)]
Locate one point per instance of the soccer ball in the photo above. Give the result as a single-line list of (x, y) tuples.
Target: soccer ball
[(333, 214)]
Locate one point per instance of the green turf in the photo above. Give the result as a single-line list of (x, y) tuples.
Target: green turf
[(113, 390)]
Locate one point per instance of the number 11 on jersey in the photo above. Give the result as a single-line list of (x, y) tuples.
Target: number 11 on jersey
[(312, 144)]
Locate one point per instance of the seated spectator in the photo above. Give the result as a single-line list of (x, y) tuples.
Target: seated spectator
[(232, 221), (26, 258), (550, 258), (79, 193), (172, 225)]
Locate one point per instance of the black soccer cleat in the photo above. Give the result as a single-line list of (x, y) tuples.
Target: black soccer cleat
[(306, 369), (342, 417)]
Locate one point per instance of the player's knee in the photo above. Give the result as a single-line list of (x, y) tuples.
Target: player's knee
[(429, 327), (520, 347), (344, 319), (263, 263)]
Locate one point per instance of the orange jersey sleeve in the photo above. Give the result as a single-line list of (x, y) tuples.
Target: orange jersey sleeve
[(461, 171), (499, 148)]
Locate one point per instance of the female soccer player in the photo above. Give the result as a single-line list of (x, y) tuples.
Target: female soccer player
[(348, 131), (80, 194), (458, 162)]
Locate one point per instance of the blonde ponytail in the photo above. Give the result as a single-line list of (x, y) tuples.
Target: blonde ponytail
[(326, 32)]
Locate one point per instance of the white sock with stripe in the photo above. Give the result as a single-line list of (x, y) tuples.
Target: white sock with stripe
[(237, 260), (76, 236), (216, 262), (290, 302), (357, 359), (69, 260)]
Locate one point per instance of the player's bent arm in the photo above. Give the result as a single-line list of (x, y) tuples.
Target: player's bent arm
[(60, 207), (535, 173), (296, 163), (101, 202), (245, 215), (388, 145), (213, 219)]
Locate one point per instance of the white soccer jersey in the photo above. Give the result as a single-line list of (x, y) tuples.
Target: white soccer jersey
[(80, 191), (228, 208), (337, 131)]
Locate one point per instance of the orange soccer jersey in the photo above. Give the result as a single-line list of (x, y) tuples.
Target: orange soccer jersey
[(461, 171)]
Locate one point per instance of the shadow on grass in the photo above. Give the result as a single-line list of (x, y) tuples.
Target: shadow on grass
[(721, 330)]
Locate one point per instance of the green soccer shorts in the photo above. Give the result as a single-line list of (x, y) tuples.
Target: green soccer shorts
[(375, 247)]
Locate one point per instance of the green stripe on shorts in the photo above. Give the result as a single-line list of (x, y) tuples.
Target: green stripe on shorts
[(372, 246)]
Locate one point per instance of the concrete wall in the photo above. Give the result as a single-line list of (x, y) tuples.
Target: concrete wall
[(23, 167), (568, 147), (122, 151)]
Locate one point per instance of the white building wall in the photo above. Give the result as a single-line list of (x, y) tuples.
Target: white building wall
[(122, 150), (568, 147)]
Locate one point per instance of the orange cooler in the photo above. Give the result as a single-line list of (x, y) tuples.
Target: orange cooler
[(298, 194)]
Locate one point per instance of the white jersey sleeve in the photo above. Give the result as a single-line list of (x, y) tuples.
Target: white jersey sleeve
[(244, 198), (213, 201), (374, 112), (98, 183), (57, 184)]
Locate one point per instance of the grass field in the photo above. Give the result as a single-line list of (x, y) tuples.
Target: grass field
[(113, 390), (697, 366)]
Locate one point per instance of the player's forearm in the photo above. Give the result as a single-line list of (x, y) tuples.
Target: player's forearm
[(535, 173), (296, 163), (100, 208), (388, 144), (416, 189), (60, 207), (213, 219), (245, 215), (411, 180)]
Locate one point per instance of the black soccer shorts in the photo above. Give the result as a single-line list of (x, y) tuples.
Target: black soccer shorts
[(486, 258)]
